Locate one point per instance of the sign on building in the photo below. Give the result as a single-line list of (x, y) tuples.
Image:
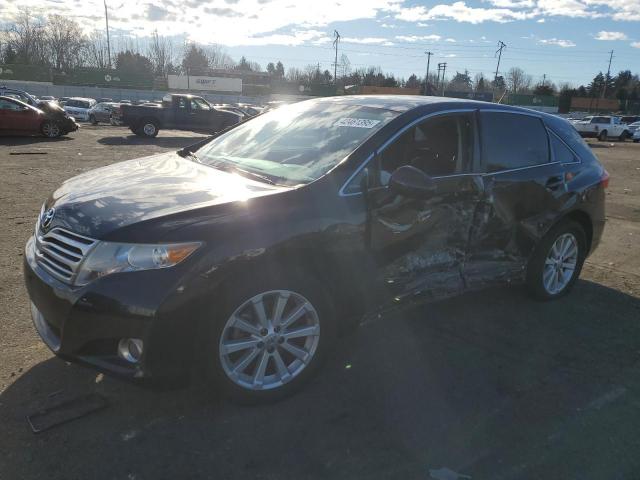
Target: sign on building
[(211, 84)]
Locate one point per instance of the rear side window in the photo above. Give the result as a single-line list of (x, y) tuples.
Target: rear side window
[(570, 136), (511, 140), (560, 151)]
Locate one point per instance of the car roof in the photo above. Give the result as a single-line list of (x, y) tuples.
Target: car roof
[(405, 103), (84, 99), (15, 100)]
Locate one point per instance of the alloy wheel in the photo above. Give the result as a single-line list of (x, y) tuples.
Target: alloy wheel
[(269, 340), (51, 130), (560, 264), (149, 129)]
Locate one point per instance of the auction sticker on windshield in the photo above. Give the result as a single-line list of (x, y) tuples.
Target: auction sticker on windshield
[(356, 122)]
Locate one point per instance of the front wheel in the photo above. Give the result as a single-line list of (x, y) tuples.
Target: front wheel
[(92, 120), (148, 128), (50, 129), (603, 136), (623, 136), (557, 261), (271, 339)]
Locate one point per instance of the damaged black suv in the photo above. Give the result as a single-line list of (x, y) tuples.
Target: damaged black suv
[(245, 254)]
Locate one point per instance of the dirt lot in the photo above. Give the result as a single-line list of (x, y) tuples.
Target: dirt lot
[(492, 385)]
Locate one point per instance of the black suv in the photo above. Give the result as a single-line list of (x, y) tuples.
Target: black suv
[(245, 254)]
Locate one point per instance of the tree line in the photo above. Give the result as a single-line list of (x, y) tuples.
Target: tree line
[(58, 42)]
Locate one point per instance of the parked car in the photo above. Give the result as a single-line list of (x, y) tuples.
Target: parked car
[(103, 112), (636, 135), (629, 119), (19, 95), (79, 107), (47, 98), (633, 127), (602, 127), (245, 253), (180, 112), (20, 118)]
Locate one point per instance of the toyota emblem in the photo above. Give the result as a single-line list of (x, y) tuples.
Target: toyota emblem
[(47, 218)]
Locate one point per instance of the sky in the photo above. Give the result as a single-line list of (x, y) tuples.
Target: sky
[(568, 40)]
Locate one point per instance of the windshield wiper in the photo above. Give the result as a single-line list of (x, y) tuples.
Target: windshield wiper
[(192, 155)]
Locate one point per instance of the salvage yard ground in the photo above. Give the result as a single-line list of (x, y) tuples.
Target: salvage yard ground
[(492, 385)]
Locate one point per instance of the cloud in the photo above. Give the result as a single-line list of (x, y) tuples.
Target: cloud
[(366, 40), (512, 3), (155, 13), (558, 42), (635, 44), (460, 12), (610, 36), (418, 38)]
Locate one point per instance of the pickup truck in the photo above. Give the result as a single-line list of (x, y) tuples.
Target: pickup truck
[(179, 112), (602, 127)]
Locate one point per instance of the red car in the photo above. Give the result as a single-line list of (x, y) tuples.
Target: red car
[(19, 118)]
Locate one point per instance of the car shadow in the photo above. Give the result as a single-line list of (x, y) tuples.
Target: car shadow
[(160, 141), (27, 140), (490, 385)]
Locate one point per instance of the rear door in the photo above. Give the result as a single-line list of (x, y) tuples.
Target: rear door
[(182, 114), (524, 188)]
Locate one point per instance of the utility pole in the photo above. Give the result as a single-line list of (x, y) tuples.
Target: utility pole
[(443, 67), (501, 45), (606, 79), (544, 79), (426, 78), (335, 64), (106, 18)]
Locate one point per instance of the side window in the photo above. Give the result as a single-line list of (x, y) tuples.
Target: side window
[(439, 146), (512, 140), (6, 105), (561, 152), (198, 104), (182, 103)]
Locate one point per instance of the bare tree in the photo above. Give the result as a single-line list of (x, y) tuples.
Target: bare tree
[(64, 42), (161, 53), (218, 57), (518, 81), (96, 52), (26, 38)]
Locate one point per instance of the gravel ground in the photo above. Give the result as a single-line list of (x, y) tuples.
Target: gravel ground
[(490, 385)]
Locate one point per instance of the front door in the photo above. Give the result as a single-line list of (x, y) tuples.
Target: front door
[(16, 118), (420, 244)]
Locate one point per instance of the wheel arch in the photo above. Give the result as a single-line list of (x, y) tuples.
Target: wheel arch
[(583, 219)]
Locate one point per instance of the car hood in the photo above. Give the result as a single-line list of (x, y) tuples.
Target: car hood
[(103, 200)]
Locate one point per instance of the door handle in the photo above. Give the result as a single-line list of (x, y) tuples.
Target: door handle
[(553, 183)]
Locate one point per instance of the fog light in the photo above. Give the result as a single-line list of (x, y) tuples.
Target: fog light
[(130, 349)]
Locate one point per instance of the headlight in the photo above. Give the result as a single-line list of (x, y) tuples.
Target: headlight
[(110, 257)]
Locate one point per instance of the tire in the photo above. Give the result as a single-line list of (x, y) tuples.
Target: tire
[(603, 136), (623, 136), (50, 129), (538, 270), (148, 128), (220, 329), (92, 120)]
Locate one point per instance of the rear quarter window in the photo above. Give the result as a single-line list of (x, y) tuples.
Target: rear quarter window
[(570, 136), (512, 140)]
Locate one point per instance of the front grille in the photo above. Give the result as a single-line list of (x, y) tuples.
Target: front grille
[(60, 252)]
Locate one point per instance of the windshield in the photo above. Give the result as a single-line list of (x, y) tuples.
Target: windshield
[(298, 143)]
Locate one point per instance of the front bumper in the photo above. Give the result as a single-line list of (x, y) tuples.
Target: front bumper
[(85, 324)]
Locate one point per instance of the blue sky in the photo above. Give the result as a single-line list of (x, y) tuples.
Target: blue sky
[(568, 40)]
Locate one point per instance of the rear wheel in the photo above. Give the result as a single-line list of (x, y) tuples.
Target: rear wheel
[(623, 136), (270, 339), (603, 136), (50, 129), (557, 261)]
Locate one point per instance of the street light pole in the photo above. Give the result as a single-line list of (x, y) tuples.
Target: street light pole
[(106, 18)]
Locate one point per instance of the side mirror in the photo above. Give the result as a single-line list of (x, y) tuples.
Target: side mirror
[(412, 182)]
